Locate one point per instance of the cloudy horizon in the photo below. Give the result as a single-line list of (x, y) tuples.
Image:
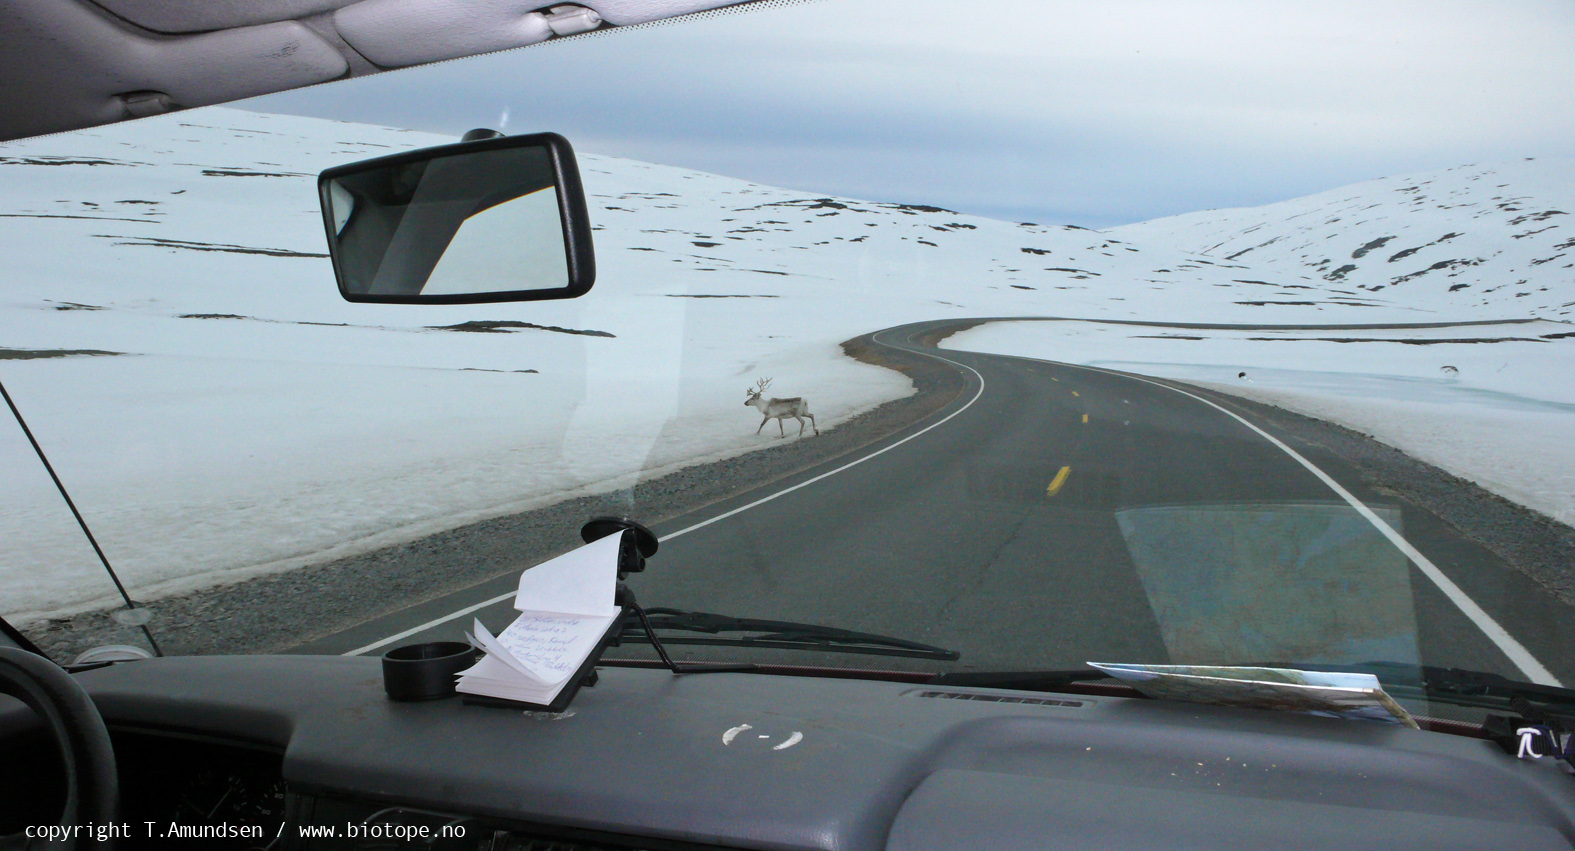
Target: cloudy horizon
[(1051, 112)]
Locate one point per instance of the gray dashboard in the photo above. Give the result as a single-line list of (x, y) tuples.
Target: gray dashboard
[(784, 762)]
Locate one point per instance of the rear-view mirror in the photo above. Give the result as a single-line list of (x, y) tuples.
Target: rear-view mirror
[(499, 219)]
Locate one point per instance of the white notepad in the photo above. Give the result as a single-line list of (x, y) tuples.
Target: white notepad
[(566, 607)]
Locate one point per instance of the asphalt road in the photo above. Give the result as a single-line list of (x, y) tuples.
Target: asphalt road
[(1052, 514)]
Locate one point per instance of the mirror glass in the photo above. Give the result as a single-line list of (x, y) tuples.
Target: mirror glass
[(466, 222)]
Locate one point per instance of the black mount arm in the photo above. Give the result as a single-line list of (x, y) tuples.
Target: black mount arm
[(639, 543), (625, 598)]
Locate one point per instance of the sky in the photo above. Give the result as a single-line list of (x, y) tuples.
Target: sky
[(1094, 114)]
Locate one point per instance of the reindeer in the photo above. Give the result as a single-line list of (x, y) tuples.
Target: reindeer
[(779, 409)]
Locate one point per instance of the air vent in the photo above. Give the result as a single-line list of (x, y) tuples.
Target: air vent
[(999, 698)]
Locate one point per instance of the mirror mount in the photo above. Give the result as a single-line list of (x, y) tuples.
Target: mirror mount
[(493, 218)]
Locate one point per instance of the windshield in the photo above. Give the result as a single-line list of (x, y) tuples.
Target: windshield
[(1044, 334)]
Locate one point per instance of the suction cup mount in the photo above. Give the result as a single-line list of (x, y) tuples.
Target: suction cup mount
[(639, 545)]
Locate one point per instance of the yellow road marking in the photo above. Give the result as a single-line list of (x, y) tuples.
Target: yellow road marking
[(1058, 481), (1085, 418), (1074, 392)]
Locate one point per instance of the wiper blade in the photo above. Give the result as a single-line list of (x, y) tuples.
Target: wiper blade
[(1514, 708), (1444, 683), (1019, 680), (779, 634)]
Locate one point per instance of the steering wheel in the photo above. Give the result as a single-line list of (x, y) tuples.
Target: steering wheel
[(92, 789)]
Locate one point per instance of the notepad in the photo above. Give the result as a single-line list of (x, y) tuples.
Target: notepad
[(566, 613)]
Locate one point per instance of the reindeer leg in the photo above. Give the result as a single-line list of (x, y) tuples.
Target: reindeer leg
[(780, 428), (800, 425), (812, 422), (763, 421)]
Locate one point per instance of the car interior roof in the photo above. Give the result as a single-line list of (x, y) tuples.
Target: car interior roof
[(72, 64)]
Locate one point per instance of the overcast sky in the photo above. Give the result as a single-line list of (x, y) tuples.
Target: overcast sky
[(1089, 113)]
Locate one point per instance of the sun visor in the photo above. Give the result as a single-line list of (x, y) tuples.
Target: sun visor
[(204, 69), (195, 16), (624, 12), (69, 64), (396, 33), (93, 62)]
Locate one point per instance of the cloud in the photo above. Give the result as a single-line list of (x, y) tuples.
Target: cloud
[(1095, 114)]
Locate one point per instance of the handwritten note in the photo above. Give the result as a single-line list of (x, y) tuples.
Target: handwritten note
[(553, 646), (566, 607)]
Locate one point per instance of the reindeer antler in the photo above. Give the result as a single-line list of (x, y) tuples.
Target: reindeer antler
[(763, 383)]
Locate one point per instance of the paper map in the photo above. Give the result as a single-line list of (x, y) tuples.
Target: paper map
[(1338, 694)]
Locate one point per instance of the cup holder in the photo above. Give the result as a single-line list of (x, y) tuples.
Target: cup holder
[(425, 671)]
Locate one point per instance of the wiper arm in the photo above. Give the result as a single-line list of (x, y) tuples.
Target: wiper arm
[(1450, 684), (1446, 683), (780, 634), (1019, 680), (1443, 683), (1546, 712)]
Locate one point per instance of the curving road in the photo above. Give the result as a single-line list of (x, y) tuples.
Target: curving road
[(1053, 514)]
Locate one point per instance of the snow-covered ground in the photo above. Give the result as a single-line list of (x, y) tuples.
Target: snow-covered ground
[(253, 421), (1491, 240)]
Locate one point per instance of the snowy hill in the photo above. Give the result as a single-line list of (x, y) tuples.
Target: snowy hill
[(1494, 239), (170, 326)]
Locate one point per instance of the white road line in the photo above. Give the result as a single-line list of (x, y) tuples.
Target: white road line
[(702, 524), (686, 530), (428, 625), (1517, 653)]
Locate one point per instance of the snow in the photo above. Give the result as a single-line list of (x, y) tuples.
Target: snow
[(255, 422), (1494, 240)]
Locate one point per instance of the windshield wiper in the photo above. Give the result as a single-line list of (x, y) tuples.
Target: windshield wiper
[(1522, 718), (1511, 705), (778, 634), (1454, 685), (1450, 684), (1442, 682), (1458, 686), (1020, 680)]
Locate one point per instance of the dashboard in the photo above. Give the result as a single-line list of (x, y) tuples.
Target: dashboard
[(308, 752)]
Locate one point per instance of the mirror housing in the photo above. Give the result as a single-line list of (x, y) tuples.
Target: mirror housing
[(491, 220)]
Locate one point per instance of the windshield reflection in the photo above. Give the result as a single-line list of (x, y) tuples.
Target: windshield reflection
[(1248, 582)]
